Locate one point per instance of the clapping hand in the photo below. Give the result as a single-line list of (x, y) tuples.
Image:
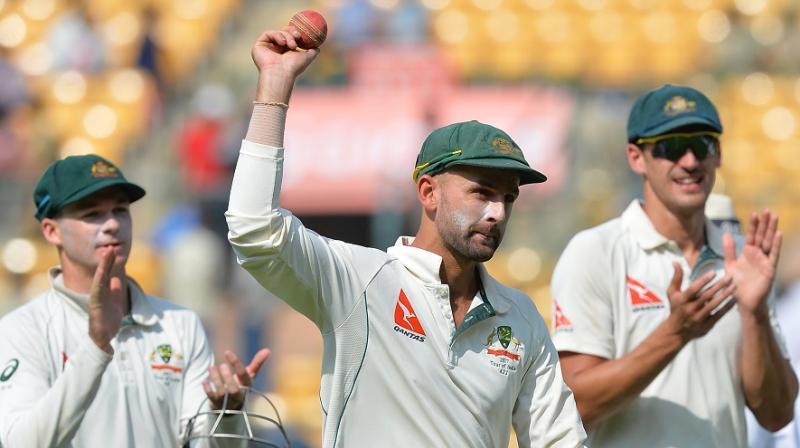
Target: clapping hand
[(753, 271), (228, 378), (106, 302)]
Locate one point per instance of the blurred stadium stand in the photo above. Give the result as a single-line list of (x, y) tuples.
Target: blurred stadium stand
[(164, 89)]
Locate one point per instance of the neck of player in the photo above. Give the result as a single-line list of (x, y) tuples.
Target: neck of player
[(458, 273), (686, 228)]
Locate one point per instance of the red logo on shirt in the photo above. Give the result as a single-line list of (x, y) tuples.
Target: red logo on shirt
[(64, 359), (405, 316), (641, 297), (561, 321)]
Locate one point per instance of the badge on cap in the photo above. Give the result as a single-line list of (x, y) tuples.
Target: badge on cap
[(101, 169), (505, 147), (678, 105)]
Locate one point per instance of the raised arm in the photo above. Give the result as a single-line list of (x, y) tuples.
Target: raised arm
[(312, 274), (34, 409), (769, 383)]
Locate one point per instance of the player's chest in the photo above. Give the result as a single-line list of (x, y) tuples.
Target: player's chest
[(148, 360), (642, 302), (412, 325)]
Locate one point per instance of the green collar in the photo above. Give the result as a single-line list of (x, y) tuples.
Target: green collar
[(481, 312)]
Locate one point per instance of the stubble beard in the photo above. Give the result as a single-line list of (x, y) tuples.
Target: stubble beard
[(455, 234)]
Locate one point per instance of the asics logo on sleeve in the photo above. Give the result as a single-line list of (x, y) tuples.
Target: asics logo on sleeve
[(9, 369), (641, 297), (406, 319)]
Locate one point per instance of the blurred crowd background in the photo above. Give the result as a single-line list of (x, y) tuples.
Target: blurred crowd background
[(164, 88)]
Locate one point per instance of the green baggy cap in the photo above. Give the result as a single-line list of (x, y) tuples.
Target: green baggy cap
[(670, 107), (472, 143), (76, 177)]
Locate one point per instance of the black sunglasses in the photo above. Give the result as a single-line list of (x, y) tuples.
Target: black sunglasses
[(673, 146)]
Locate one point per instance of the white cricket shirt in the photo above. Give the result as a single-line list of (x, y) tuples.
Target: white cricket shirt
[(609, 293), (57, 388), (396, 371)]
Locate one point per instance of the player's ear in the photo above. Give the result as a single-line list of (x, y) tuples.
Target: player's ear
[(635, 158), (51, 231), (426, 192)]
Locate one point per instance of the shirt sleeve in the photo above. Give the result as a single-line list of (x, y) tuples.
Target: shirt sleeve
[(314, 275), (194, 397), (582, 298), (545, 414), (34, 409)]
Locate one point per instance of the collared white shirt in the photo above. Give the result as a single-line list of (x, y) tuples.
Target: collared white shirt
[(396, 371), (58, 388), (609, 294)]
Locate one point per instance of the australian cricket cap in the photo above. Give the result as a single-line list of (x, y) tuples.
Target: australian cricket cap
[(76, 177), (670, 107), (472, 143)]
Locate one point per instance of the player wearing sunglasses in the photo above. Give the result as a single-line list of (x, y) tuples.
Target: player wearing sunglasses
[(664, 323)]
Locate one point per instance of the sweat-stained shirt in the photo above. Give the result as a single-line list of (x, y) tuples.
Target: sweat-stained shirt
[(396, 371)]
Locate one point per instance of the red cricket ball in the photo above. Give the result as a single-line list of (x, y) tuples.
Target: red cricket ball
[(312, 26)]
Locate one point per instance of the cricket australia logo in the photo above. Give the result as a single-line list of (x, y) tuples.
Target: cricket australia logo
[(164, 358), (505, 350), (679, 105), (405, 319), (102, 169)]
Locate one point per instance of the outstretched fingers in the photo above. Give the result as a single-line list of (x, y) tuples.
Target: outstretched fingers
[(716, 294), (102, 276), (769, 234), (728, 248), (775, 251), (242, 375), (677, 278), (761, 224), (694, 289), (258, 360)]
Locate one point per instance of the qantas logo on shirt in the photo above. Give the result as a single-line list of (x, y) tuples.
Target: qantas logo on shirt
[(642, 298), (406, 319), (561, 321)]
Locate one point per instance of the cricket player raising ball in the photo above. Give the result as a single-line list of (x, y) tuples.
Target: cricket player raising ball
[(422, 347)]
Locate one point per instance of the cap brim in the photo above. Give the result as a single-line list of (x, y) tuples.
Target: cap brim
[(527, 175), (680, 122), (133, 191)]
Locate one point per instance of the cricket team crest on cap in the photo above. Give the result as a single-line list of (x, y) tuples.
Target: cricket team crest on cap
[(406, 320), (504, 146), (166, 363), (642, 299), (679, 105), (561, 322), (505, 351), (101, 169)]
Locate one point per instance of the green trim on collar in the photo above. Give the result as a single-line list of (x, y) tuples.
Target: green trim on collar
[(481, 312), (708, 260)]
